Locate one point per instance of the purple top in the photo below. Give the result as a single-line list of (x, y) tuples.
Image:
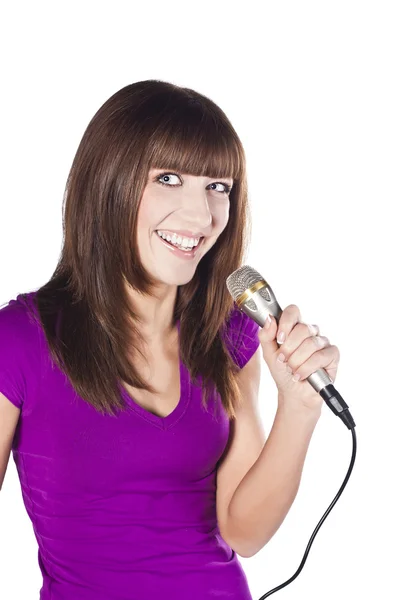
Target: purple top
[(123, 508)]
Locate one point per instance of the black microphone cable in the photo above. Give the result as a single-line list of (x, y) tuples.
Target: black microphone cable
[(336, 498)]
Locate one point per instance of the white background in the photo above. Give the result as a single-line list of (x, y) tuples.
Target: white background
[(312, 89)]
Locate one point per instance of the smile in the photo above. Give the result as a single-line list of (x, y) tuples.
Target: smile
[(188, 253)]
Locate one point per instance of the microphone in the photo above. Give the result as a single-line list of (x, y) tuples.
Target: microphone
[(253, 296)]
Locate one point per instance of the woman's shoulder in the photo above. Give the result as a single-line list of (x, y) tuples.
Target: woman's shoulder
[(19, 320), (19, 348)]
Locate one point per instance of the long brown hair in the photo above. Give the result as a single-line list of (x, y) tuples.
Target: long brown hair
[(84, 310)]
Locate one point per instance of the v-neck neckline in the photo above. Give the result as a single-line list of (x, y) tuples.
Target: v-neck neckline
[(173, 417)]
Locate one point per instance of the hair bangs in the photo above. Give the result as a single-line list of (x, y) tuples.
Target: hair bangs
[(199, 144)]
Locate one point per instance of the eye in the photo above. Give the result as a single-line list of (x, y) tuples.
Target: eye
[(226, 189), (165, 177)]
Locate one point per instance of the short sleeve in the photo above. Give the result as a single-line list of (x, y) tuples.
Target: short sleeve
[(19, 352), (242, 337)]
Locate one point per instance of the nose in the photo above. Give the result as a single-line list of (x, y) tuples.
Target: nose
[(196, 212)]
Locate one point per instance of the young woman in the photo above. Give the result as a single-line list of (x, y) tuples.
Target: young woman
[(129, 380)]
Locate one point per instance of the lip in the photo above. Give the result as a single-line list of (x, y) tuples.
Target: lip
[(181, 253)]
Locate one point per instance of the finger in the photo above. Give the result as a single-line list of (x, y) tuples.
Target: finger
[(288, 319), (307, 348), (267, 337), (299, 333), (321, 358), (268, 331)]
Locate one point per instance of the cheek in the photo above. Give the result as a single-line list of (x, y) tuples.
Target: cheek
[(149, 212), (221, 215)]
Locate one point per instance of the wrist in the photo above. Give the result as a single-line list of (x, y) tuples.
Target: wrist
[(292, 407)]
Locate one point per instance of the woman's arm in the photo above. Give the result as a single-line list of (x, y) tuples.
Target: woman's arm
[(264, 496), (9, 415)]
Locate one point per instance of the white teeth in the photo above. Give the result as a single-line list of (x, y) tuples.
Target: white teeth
[(176, 240)]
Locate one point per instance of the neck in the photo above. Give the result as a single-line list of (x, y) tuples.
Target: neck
[(155, 312)]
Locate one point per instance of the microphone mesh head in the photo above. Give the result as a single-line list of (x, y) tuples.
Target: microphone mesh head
[(242, 279)]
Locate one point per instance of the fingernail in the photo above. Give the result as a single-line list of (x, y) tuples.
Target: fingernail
[(281, 337), (268, 321), (296, 377), (281, 357)]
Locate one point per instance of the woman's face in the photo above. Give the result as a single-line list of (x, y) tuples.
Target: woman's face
[(172, 203)]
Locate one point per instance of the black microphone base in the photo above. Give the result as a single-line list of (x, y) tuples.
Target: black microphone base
[(337, 405)]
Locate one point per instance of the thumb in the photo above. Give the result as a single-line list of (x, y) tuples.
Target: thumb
[(267, 336)]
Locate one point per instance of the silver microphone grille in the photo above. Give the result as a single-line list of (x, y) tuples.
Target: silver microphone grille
[(241, 280)]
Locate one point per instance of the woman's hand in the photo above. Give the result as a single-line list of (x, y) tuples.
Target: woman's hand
[(304, 352)]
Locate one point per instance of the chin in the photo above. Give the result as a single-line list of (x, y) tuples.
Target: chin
[(177, 280)]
